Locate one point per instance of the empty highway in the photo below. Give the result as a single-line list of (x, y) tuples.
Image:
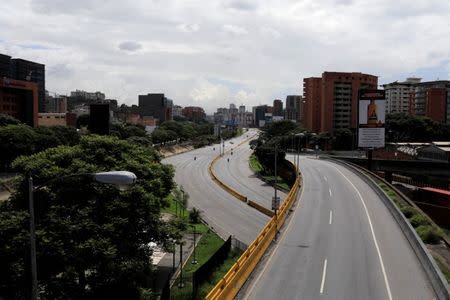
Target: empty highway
[(221, 210), (341, 243), (234, 170)]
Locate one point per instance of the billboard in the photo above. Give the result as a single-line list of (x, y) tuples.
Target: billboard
[(371, 118), (99, 118)]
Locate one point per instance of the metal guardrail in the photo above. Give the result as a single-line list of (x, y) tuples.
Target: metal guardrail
[(231, 283), (438, 281)]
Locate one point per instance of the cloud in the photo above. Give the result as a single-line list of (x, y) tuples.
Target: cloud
[(130, 46), (188, 27), (255, 50), (206, 93), (268, 31), (241, 5), (234, 29)]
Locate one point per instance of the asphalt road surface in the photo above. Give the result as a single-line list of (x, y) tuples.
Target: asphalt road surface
[(341, 243), (226, 214), (234, 170)]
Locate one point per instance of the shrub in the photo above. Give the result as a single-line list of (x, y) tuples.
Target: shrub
[(419, 220), (194, 215), (408, 211), (428, 234)]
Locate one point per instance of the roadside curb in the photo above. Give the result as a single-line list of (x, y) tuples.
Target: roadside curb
[(437, 280)]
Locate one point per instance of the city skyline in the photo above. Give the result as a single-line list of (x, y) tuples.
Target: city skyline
[(239, 51)]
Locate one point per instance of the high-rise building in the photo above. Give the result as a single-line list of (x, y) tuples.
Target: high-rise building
[(96, 96), (277, 107), (398, 95), (292, 109), (432, 99), (19, 99), (312, 97), (242, 109), (156, 105), (30, 71), (233, 115), (5, 66), (99, 118), (332, 100), (177, 111), (55, 104), (259, 115), (194, 113), (20, 69)]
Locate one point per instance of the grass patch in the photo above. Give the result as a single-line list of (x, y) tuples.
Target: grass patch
[(446, 231), (218, 274), (443, 268), (255, 165), (176, 209), (208, 245), (257, 168)]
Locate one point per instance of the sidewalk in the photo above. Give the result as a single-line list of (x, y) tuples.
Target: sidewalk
[(166, 268)]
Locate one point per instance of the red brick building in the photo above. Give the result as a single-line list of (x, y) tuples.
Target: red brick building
[(19, 99), (194, 113), (331, 101), (277, 107), (435, 104), (432, 99)]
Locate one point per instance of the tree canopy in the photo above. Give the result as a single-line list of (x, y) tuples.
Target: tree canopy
[(21, 139), (410, 128), (92, 239)]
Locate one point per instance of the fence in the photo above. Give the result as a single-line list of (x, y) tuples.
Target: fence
[(204, 272)]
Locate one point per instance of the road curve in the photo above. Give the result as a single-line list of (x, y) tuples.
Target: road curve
[(234, 170), (226, 214), (341, 243)]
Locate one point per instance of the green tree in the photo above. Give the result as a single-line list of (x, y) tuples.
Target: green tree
[(83, 121), (16, 140), (342, 139), (8, 120), (403, 127), (92, 239)]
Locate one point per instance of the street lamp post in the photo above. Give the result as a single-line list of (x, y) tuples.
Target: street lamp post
[(275, 201), (300, 135), (118, 178), (180, 283), (194, 260)]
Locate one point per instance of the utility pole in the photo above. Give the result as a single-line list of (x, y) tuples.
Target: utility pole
[(181, 284), (34, 285), (275, 202), (194, 260)]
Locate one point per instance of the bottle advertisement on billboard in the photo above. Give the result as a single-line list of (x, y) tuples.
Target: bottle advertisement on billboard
[(371, 118)]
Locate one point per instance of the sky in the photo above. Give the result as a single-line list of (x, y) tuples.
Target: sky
[(216, 52)]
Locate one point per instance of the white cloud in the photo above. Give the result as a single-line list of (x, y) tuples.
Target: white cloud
[(257, 50), (234, 29), (206, 93), (188, 27), (130, 46)]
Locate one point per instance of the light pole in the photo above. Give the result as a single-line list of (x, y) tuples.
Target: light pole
[(275, 201), (300, 135), (118, 178), (180, 283), (194, 260)]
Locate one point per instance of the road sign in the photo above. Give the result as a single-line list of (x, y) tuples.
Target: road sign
[(275, 203)]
